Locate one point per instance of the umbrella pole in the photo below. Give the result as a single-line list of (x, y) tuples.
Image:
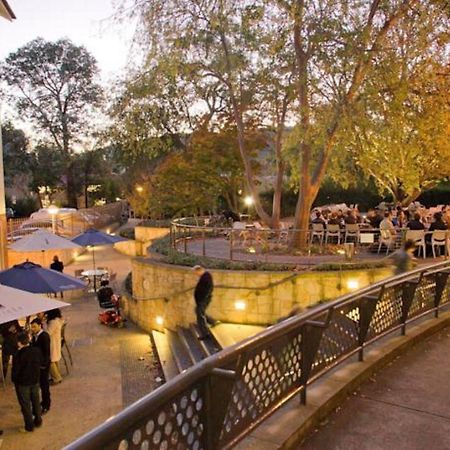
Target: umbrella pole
[(93, 263), (43, 258)]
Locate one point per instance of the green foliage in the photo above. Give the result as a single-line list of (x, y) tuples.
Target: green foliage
[(127, 233), (23, 206)]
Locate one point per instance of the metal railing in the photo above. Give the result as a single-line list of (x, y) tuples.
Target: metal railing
[(67, 224), (219, 401)]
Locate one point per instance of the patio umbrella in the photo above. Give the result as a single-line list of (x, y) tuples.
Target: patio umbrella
[(43, 241), (93, 237), (33, 278), (15, 304)]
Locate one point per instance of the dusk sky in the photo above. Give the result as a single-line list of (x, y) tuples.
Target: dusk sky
[(85, 22)]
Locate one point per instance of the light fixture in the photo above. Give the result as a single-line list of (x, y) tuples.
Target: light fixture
[(159, 320), (353, 284), (251, 250), (53, 209), (240, 305), (139, 189), (248, 200)]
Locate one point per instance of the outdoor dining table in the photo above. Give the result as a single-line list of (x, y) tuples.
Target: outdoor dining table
[(94, 274)]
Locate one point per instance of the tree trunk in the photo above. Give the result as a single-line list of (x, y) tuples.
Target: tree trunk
[(305, 199), (71, 192)]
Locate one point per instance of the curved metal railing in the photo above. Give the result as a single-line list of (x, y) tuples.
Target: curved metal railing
[(219, 401)]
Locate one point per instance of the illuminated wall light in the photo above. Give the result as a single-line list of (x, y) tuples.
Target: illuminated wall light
[(341, 251), (353, 284), (240, 305), (251, 250), (159, 320), (249, 200)]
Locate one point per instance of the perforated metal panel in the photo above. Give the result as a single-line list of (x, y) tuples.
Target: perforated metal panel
[(340, 337), (178, 425), (265, 376), (446, 294), (388, 312), (424, 296)]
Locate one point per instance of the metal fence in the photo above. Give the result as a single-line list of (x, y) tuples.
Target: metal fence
[(219, 401), (67, 224)]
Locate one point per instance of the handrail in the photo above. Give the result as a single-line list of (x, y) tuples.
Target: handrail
[(220, 400)]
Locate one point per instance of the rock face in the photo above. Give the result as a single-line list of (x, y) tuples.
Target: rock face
[(165, 292)]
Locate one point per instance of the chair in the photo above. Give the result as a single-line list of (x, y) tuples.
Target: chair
[(352, 232), (241, 230), (78, 273), (386, 238), (333, 230), (65, 346), (439, 239), (318, 231), (418, 237)]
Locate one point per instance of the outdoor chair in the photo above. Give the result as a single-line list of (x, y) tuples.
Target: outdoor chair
[(333, 230), (283, 232), (241, 231), (65, 346), (351, 232), (386, 238), (418, 236), (318, 231), (439, 238)]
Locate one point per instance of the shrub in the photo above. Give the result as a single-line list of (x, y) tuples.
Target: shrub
[(127, 233)]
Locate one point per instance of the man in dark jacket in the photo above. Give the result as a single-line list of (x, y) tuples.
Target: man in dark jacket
[(9, 333), (203, 295), (41, 340), (59, 267), (25, 376)]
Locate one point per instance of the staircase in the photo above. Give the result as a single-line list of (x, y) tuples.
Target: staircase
[(180, 349)]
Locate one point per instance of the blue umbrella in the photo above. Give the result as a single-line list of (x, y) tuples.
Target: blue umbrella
[(93, 237), (33, 278)]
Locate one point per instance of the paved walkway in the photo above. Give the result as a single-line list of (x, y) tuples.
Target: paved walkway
[(406, 406), (112, 368)]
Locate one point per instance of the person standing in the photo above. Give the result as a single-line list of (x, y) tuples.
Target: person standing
[(54, 327), (9, 333), (41, 340), (25, 376), (203, 296), (59, 267)]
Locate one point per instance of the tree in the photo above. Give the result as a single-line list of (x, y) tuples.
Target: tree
[(54, 87), (324, 54), (193, 181)]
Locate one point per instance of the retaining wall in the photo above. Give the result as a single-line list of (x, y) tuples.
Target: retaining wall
[(248, 297)]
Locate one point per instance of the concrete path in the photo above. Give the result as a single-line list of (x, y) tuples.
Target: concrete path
[(112, 368), (406, 406)]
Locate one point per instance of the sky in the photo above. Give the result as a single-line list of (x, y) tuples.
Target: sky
[(85, 22)]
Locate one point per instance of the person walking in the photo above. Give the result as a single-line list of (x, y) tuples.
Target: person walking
[(403, 258), (203, 296), (54, 327), (59, 267), (41, 340), (25, 376)]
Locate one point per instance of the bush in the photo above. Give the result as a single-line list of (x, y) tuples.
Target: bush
[(153, 223), (24, 206), (127, 233)]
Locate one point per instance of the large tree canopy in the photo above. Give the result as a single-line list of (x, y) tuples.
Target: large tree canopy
[(297, 62), (54, 87)]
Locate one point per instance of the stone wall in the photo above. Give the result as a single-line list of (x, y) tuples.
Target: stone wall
[(239, 296), (44, 259), (144, 236)]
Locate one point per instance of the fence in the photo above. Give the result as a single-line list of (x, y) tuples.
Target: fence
[(67, 224), (219, 401)]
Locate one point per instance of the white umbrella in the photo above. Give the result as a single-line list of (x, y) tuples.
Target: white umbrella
[(41, 241), (15, 304)]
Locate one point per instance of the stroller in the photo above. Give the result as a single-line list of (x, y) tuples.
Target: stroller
[(111, 303)]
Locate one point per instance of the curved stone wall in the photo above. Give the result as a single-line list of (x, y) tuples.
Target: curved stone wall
[(164, 293)]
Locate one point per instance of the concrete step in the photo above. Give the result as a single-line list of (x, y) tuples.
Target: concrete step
[(179, 350), (165, 355), (210, 345), (228, 334), (195, 349)]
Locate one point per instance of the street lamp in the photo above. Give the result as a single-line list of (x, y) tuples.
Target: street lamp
[(248, 200), (53, 211)]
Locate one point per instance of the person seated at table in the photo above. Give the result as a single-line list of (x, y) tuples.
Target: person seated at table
[(351, 218), (104, 295), (319, 219), (386, 224), (400, 220), (334, 219), (415, 223), (374, 218)]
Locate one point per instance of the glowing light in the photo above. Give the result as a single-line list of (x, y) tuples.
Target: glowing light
[(341, 251), (240, 305), (248, 200), (118, 199), (251, 250), (139, 189), (159, 320), (52, 209), (353, 284)]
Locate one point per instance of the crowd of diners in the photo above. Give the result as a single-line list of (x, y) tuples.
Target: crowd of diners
[(413, 217)]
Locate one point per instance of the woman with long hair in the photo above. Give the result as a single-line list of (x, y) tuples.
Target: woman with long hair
[(54, 327)]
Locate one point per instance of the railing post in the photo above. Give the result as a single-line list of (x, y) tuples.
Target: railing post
[(204, 242), (231, 245), (441, 282), (409, 289), (311, 336), (218, 390), (367, 308)]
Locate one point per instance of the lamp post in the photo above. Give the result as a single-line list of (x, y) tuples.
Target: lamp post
[(53, 211)]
